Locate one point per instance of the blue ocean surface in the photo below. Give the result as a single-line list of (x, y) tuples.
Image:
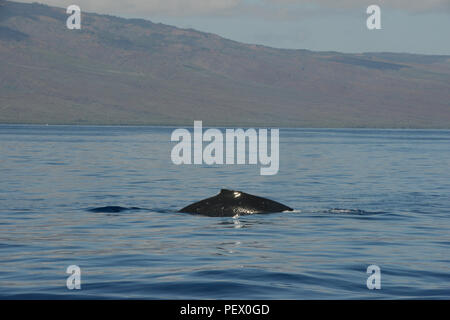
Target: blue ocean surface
[(361, 197)]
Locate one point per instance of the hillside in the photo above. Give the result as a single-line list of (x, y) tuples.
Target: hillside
[(130, 71)]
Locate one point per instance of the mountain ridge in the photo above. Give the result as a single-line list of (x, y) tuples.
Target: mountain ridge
[(133, 71)]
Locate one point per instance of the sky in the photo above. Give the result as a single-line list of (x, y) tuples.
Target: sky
[(412, 26)]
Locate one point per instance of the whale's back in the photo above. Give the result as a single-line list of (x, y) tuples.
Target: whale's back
[(229, 203)]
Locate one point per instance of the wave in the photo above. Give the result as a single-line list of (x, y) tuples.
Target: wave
[(349, 211)]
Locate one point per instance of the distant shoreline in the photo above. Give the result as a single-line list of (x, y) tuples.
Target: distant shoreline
[(221, 126)]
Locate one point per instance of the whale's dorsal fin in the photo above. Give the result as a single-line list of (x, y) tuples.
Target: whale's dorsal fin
[(230, 193), (226, 191)]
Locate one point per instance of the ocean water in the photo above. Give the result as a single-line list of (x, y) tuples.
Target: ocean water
[(361, 197)]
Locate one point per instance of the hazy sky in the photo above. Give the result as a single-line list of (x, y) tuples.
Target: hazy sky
[(416, 26)]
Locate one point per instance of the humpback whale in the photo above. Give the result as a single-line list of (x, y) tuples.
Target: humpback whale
[(229, 203)]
